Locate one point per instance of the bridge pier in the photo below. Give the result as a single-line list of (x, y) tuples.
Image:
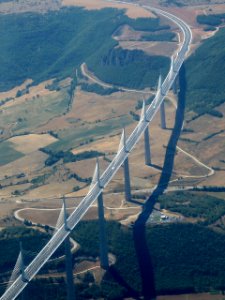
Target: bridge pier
[(104, 261), (147, 147), (127, 179), (163, 115), (70, 287), (23, 295)]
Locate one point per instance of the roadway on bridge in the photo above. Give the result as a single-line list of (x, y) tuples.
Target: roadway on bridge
[(43, 256)]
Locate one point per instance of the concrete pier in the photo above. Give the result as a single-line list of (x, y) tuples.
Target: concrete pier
[(102, 234), (163, 115), (127, 179), (147, 147)]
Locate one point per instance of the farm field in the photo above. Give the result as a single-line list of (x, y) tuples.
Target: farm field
[(56, 122), (47, 119)]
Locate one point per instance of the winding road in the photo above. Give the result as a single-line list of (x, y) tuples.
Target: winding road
[(94, 79), (96, 189)]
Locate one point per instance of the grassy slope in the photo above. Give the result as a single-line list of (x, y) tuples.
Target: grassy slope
[(8, 153), (69, 139), (49, 45), (35, 112), (205, 74), (52, 45)]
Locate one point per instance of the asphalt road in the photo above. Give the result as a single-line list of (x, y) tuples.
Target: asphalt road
[(43, 256)]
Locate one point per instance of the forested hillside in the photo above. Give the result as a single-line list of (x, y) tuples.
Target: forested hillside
[(186, 258), (128, 68), (205, 74), (43, 46)]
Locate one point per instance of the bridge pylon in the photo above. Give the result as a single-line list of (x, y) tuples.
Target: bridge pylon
[(104, 262), (70, 287)]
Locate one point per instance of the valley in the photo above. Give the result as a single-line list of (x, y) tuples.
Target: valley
[(66, 103)]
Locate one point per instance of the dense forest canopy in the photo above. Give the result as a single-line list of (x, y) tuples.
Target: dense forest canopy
[(43, 46)]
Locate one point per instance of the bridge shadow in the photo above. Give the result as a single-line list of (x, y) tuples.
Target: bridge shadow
[(118, 278), (155, 167), (139, 230), (136, 202)]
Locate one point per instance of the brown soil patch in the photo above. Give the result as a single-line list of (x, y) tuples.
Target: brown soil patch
[(30, 163), (31, 142), (29, 6), (204, 296), (216, 180), (106, 145), (152, 48), (81, 193), (89, 108), (131, 11), (6, 192), (127, 33), (209, 150), (216, 9), (53, 189), (41, 216), (188, 14), (102, 107), (85, 168), (12, 92)]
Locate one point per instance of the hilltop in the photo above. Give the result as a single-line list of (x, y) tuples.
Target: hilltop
[(22, 6)]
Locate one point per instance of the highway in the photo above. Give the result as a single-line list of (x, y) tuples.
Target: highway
[(43, 256)]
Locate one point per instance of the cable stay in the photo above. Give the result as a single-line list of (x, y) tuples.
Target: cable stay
[(18, 268), (60, 220)]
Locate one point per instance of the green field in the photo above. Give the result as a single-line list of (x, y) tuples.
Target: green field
[(35, 112), (8, 153), (71, 138)]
